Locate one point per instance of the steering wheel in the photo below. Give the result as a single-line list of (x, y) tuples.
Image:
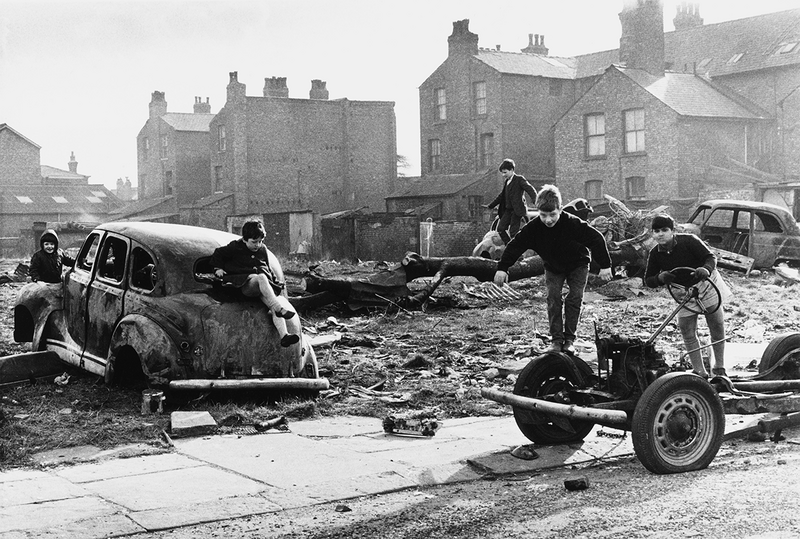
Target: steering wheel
[(700, 291)]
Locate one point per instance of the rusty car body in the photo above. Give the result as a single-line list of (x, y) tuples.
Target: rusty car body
[(141, 305), (765, 232)]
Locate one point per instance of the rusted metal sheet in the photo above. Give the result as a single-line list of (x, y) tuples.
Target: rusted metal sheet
[(759, 405), (314, 384), (21, 368)]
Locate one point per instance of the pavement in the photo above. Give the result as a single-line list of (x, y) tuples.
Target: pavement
[(87, 493)]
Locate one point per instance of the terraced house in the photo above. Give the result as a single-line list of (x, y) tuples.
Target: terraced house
[(666, 116)]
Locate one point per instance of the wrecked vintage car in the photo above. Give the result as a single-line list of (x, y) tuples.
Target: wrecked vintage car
[(764, 232), (141, 306)]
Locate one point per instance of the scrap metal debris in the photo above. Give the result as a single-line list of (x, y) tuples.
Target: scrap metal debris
[(413, 426), (491, 291), (525, 452)]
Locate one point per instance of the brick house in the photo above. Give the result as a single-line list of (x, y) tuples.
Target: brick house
[(483, 105), (172, 152), (639, 136), (20, 163), (279, 154)]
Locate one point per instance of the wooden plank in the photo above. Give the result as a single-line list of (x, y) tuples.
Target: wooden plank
[(729, 260)]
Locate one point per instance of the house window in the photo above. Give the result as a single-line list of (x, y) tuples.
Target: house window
[(434, 153), (60, 200), (168, 183), (24, 199), (487, 150), (595, 134), (164, 145), (142, 178), (479, 93), (634, 188), (787, 48), (99, 194), (593, 190), (223, 144), (217, 178), (634, 130), (475, 205), (145, 147), (555, 87), (94, 200), (440, 104)]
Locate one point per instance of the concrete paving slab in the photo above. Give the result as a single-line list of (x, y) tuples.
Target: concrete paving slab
[(286, 498), (337, 427), (210, 511), (65, 455), (37, 490), (441, 474), (20, 474), (111, 469), (182, 424), (284, 460), (502, 462), (94, 528), (173, 488), (36, 516), (441, 452), (353, 487)]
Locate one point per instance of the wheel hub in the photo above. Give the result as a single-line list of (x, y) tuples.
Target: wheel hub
[(681, 427)]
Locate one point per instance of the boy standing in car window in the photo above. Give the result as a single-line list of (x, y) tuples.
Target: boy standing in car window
[(244, 264)]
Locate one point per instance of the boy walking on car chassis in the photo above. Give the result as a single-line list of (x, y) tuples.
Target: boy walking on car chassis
[(244, 264)]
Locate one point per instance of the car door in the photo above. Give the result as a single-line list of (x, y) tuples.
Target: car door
[(76, 292), (105, 299), (767, 238)]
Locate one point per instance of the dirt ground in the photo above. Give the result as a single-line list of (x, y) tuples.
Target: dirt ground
[(383, 360)]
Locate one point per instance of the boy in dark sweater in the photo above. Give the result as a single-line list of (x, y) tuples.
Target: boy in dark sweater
[(48, 263), (244, 264), (566, 244), (687, 250)]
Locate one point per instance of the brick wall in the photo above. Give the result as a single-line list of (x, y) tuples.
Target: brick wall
[(19, 161), (453, 238)]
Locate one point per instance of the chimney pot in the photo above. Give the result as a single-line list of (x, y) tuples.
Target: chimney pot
[(497, 47)]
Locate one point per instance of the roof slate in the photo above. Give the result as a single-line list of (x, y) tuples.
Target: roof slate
[(188, 121), (59, 174), (79, 199), (438, 185), (689, 95)]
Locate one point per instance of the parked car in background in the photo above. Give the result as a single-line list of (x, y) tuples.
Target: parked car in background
[(764, 232), (141, 307)]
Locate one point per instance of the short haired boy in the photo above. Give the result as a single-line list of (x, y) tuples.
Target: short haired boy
[(566, 244), (674, 250), (244, 263), (511, 201)]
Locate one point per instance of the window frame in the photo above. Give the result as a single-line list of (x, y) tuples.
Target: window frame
[(479, 98), (588, 192), (440, 104), (590, 136), (485, 159), (164, 146), (638, 184), (638, 131), (222, 138), (434, 158)]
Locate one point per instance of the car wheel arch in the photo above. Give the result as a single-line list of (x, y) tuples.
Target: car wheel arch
[(152, 345)]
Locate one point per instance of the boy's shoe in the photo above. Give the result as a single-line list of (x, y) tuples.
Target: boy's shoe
[(719, 371), (290, 339), (554, 347), (568, 347)]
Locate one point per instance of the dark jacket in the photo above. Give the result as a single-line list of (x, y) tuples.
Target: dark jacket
[(239, 263), (47, 267), (569, 244), (688, 251), (510, 198)]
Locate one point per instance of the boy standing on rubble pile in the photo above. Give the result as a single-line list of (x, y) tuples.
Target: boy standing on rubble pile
[(566, 244)]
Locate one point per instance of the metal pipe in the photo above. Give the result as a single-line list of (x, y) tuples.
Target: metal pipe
[(607, 418), (317, 384), (766, 385)]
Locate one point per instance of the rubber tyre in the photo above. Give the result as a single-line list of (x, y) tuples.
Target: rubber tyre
[(678, 424), (776, 349), (546, 375)]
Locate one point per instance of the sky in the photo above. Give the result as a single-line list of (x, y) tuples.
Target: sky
[(77, 75)]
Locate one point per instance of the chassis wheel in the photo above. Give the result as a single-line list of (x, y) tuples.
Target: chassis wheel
[(780, 346), (678, 424), (543, 378)]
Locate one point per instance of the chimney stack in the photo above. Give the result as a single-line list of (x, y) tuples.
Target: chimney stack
[(200, 107), (536, 45), (73, 165), (641, 43), (688, 16), (275, 87), (236, 90), (158, 105), (318, 90), (462, 41)]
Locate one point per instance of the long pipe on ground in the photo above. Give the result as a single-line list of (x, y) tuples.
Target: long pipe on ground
[(314, 384), (607, 418)]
